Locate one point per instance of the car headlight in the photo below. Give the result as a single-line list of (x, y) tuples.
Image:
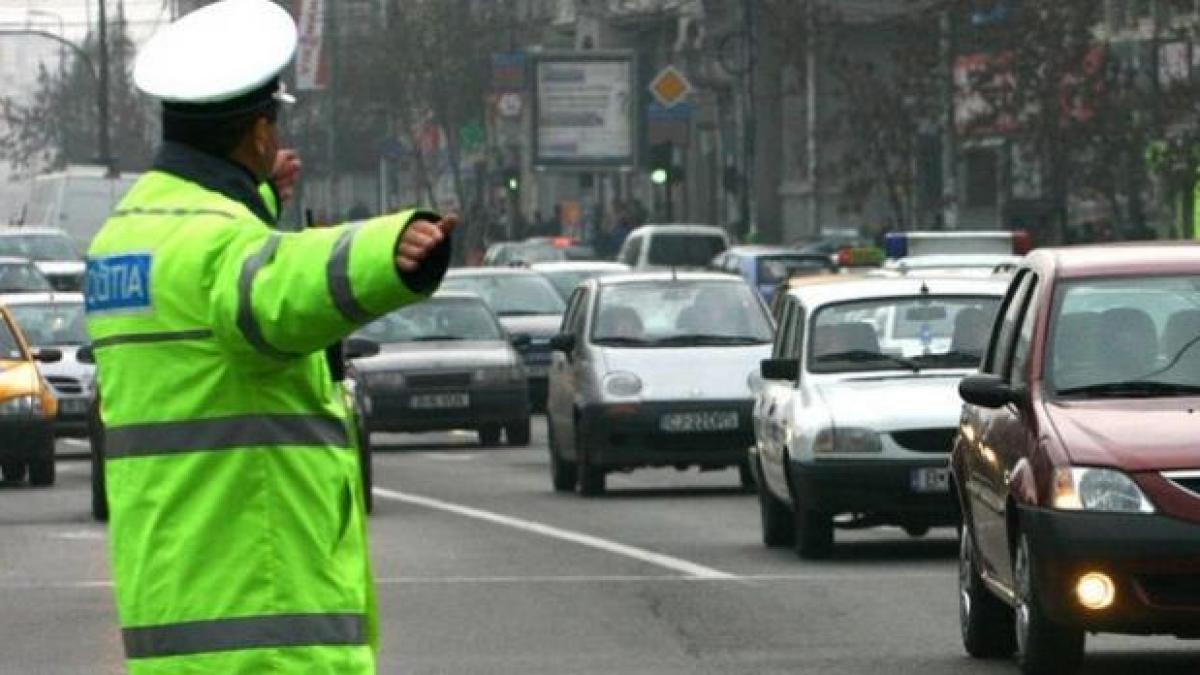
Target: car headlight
[(505, 375), (21, 406), (622, 384), (847, 440), (1094, 489)]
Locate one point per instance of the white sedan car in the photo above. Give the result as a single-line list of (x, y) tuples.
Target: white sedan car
[(654, 370), (858, 406)]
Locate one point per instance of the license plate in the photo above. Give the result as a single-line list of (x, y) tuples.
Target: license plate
[(440, 401), (538, 371), (693, 422), (930, 480), (73, 406)]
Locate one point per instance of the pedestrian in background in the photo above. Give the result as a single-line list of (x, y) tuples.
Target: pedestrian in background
[(237, 529)]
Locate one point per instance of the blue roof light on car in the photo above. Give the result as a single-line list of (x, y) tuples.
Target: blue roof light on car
[(895, 244)]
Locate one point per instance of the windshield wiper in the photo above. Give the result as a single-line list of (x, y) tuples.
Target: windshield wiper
[(955, 357), (1138, 388), (524, 312), (618, 341), (438, 338), (697, 339), (864, 356)]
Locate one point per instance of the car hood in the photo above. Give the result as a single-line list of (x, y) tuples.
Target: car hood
[(60, 267), (1137, 435), (718, 373), (894, 403), (540, 325), (451, 355)]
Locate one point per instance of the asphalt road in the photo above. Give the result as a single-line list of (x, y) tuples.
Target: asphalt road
[(484, 570)]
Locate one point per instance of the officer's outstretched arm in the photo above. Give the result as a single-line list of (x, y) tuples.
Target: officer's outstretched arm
[(287, 294)]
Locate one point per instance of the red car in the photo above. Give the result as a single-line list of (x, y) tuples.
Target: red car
[(1077, 463)]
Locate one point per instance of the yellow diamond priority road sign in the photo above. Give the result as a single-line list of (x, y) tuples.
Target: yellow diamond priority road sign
[(670, 86)]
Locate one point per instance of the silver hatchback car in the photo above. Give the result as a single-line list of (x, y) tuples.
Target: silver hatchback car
[(653, 370)]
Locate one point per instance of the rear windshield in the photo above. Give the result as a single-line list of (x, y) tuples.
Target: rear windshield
[(511, 294), (670, 249)]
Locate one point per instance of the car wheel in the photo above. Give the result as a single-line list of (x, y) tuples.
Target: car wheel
[(42, 472), (99, 479), (916, 531), (986, 623), (518, 433), (777, 527), (745, 477), (13, 472), (562, 471), (366, 467), (589, 479), (813, 533), (1044, 647), (489, 436)]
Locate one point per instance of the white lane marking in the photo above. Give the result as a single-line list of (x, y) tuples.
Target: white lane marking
[(441, 457), (665, 561), (79, 535)]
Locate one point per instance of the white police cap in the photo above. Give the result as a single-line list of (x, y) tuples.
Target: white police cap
[(217, 53)]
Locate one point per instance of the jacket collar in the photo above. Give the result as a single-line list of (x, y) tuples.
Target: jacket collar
[(214, 173)]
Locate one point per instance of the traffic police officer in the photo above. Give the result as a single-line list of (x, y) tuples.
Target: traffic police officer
[(237, 531)]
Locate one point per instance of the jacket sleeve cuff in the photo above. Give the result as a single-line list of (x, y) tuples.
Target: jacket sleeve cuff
[(429, 274)]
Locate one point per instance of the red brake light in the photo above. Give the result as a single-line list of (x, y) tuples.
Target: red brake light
[(1022, 242)]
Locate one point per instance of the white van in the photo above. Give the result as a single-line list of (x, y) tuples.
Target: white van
[(76, 201), (658, 246)]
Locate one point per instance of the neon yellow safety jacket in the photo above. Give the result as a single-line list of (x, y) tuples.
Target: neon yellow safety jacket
[(237, 530)]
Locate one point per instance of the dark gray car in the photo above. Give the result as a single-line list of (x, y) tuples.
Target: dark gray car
[(445, 364)]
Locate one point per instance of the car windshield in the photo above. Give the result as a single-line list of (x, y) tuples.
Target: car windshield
[(51, 324), (774, 269), (10, 349), (20, 277), (680, 313), (38, 247), (904, 333), (1126, 337), (680, 249), (434, 320), (510, 294)]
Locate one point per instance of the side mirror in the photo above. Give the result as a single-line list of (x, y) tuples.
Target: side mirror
[(86, 354), (780, 369), (47, 355), (361, 348), (521, 342), (987, 391), (563, 342)]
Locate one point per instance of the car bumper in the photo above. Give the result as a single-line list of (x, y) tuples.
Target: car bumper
[(393, 411), (24, 440), (72, 421), (1152, 560), (881, 489), (630, 435)]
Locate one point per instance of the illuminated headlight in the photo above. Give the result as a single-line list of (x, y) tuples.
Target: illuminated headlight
[(623, 385), (386, 380), (847, 440), (1093, 489), (505, 375), (21, 406)]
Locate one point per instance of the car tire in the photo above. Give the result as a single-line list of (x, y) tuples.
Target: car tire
[(99, 479), (367, 469), (745, 477), (518, 433), (562, 471), (13, 472), (987, 624), (489, 435), (590, 480), (813, 533), (43, 472), (777, 528), (1044, 646), (916, 531)]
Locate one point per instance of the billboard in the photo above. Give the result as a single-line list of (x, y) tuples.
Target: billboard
[(585, 107), (312, 70)]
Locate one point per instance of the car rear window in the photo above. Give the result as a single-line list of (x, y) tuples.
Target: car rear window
[(435, 320), (670, 249)]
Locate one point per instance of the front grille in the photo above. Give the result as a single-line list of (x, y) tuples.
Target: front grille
[(439, 380), (925, 440), (1171, 590), (65, 282), (65, 385), (538, 354)]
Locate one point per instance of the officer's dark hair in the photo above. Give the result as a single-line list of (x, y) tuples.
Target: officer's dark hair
[(218, 128)]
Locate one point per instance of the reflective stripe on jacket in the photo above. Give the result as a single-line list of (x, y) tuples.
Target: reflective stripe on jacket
[(237, 531)]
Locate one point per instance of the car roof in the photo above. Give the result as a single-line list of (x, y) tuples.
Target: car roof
[(42, 298), (861, 288), (636, 277), (576, 266), (767, 249), (491, 272), (1150, 259), (951, 260), (683, 228)]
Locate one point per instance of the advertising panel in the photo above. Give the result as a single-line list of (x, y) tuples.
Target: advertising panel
[(585, 110)]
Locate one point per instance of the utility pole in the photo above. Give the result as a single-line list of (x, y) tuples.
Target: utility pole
[(331, 34), (812, 88), (748, 121), (949, 138), (106, 157)]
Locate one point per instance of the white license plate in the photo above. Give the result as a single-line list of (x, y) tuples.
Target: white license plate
[(694, 422), (73, 406), (930, 480), (440, 401)]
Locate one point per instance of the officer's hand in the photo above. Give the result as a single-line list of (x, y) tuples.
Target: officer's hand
[(286, 173), (419, 240)]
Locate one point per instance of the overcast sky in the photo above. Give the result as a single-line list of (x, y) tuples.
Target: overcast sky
[(73, 17)]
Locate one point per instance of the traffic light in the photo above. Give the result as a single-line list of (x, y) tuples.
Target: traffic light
[(664, 170), (512, 180)]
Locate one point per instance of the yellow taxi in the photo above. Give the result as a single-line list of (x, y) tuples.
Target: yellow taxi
[(27, 408)]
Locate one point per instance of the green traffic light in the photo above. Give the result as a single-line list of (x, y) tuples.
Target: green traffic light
[(658, 176), (513, 184)]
